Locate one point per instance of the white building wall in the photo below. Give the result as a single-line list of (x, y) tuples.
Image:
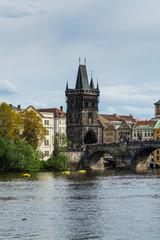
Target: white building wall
[(60, 125), (47, 146)]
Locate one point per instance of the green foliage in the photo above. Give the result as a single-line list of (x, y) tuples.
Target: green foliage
[(10, 122), (59, 160), (17, 156), (33, 130), (58, 163), (61, 142)]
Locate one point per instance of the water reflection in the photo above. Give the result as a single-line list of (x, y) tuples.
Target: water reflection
[(96, 205)]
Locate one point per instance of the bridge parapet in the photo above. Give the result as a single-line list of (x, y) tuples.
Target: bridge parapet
[(125, 155)]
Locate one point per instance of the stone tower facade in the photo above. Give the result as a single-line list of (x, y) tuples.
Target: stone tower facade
[(82, 110)]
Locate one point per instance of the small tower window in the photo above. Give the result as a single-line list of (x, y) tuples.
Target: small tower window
[(90, 118)]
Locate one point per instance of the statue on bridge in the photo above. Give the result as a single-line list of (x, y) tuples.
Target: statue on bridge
[(139, 135)]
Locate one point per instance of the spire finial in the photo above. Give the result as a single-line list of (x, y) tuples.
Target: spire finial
[(84, 61), (67, 84), (79, 60)]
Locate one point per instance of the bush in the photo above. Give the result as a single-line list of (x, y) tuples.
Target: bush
[(58, 163)]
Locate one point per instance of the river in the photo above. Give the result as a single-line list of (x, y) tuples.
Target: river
[(95, 205)]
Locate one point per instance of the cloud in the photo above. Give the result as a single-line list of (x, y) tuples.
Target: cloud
[(6, 87), (11, 12), (139, 111), (123, 93), (36, 104), (127, 99)]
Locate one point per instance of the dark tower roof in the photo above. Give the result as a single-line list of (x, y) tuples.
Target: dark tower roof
[(92, 84), (67, 86), (97, 86), (82, 79)]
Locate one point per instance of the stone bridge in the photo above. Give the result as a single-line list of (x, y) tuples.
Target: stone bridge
[(125, 155)]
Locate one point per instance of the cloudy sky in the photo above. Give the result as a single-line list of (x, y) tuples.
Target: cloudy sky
[(41, 41)]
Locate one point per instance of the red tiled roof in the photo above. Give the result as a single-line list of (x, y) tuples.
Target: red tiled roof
[(145, 122), (112, 117), (126, 118), (56, 111)]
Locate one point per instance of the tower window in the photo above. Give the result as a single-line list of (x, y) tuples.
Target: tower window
[(90, 118)]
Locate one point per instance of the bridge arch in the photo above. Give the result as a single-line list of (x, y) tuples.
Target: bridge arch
[(142, 154)]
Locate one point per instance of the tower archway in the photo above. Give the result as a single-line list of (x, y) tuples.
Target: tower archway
[(90, 137)]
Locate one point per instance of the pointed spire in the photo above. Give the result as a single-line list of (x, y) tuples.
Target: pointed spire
[(67, 85), (91, 82), (97, 85)]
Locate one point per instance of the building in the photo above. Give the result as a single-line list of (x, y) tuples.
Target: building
[(123, 132), (116, 127), (82, 110), (143, 129), (48, 121), (109, 134), (59, 118)]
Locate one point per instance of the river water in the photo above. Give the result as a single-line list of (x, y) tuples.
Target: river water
[(95, 205)]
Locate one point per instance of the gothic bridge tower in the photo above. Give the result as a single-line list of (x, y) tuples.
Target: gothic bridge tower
[(82, 110)]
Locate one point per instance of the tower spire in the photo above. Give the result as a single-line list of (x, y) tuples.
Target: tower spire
[(97, 84), (67, 84)]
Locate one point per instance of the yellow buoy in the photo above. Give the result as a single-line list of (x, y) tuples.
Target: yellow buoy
[(66, 172), (26, 175), (82, 171)]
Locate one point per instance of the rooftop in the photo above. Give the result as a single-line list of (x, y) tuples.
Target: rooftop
[(56, 111)]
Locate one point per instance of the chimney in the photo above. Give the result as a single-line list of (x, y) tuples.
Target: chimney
[(61, 108), (19, 106)]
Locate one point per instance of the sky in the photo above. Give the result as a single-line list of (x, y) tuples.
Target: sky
[(41, 42)]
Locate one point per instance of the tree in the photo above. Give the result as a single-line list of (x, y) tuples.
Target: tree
[(58, 161), (10, 122), (61, 142), (33, 130), (17, 156)]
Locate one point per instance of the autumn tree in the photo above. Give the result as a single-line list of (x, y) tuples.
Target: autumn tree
[(33, 130), (10, 122)]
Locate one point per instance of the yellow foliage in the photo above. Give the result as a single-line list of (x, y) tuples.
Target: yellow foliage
[(10, 122), (33, 130)]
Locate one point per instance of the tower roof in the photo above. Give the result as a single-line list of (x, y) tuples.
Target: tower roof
[(82, 79), (92, 84)]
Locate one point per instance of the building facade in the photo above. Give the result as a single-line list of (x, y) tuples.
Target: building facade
[(116, 128), (143, 129), (82, 110), (48, 122), (59, 119)]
